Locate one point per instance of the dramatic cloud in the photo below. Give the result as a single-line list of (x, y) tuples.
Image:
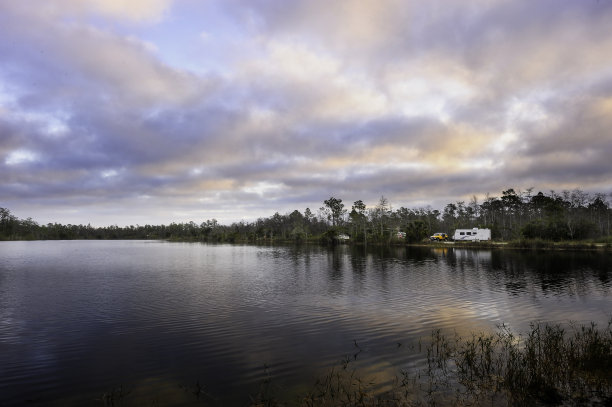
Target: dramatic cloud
[(160, 111)]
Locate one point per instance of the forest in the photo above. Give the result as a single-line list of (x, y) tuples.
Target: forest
[(567, 216)]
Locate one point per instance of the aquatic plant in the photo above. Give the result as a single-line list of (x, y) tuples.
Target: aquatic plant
[(546, 366), (549, 365)]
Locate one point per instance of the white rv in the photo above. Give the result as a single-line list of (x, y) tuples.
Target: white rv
[(474, 234)]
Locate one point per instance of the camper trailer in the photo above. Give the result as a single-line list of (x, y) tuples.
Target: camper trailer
[(474, 234)]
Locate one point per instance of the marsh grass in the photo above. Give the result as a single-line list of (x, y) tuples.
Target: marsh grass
[(548, 365), (114, 397)]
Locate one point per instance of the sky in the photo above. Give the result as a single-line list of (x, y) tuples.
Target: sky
[(159, 111)]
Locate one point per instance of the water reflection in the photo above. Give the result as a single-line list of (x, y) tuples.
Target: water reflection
[(93, 315)]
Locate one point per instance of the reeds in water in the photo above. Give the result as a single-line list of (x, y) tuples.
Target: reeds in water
[(546, 366), (549, 365)]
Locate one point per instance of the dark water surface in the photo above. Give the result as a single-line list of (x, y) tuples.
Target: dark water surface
[(159, 321)]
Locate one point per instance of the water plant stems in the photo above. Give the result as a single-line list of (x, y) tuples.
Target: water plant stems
[(548, 365)]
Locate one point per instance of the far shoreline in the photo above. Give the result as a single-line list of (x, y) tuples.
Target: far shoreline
[(511, 245)]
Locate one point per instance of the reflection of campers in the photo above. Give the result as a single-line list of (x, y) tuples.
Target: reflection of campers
[(472, 234)]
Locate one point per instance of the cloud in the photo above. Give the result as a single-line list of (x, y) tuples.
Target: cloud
[(134, 10), (72, 62), (579, 143), (421, 102)]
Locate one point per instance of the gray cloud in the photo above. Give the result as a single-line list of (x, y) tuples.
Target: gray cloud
[(418, 102)]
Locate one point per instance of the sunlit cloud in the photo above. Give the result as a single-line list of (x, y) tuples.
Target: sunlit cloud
[(237, 109), (20, 156), (134, 10)]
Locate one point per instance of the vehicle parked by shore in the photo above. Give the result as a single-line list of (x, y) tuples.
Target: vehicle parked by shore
[(472, 235), (438, 237)]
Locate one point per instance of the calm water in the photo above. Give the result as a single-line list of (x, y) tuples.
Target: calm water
[(155, 319)]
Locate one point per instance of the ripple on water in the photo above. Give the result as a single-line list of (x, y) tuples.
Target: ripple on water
[(93, 315)]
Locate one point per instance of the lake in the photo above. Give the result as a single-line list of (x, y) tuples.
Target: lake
[(158, 323)]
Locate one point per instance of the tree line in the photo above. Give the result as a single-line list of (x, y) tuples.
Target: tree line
[(569, 215)]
